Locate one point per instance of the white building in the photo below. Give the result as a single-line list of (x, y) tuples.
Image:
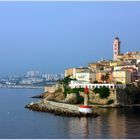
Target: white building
[(72, 71), (77, 84), (87, 76), (138, 61), (50, 77), (116, 68), (31, 81), (33, 74)]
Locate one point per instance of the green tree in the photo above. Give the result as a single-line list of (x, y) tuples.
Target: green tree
[(110, 101), (66, 80), (96, 90), (104, 92), (118, 82)]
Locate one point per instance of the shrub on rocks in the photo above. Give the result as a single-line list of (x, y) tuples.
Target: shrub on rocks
[(104, 92), (110, 101)]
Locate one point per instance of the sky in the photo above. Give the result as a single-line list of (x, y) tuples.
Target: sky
[(52, 36)]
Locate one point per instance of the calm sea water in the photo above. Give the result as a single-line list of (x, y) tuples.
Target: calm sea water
[(18, 122)]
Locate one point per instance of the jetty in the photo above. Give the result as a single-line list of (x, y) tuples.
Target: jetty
[(60, 109)]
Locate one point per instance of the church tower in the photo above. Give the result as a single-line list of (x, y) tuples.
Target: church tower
[(116, 48)]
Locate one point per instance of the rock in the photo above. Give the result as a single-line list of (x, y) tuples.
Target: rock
[(59, 96), (40, 95), (71, 98), (56, 96), (49, 96), (82, 94)]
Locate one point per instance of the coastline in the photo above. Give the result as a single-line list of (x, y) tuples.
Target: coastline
[(21, 87), (114, 105), (67, 109)]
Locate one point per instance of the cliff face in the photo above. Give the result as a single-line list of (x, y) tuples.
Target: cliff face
[(56, 93), (94, 98), (129, 96), (54, 96), (54, 88)]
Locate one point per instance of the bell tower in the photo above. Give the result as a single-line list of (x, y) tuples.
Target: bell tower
[(116, 48)]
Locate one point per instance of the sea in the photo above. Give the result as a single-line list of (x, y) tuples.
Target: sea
[(17, 122)]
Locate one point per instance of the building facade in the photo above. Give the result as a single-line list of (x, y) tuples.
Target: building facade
[(87, 76), (122, 76), (77, 84), (129, 56), (101, 73), (72, 71)]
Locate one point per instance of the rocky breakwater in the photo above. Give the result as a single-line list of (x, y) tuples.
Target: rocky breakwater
[(60, 102), (60, 109)]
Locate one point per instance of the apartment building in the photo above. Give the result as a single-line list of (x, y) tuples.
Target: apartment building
[(122, 76)]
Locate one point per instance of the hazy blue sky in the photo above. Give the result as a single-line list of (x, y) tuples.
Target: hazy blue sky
[(52, 36)]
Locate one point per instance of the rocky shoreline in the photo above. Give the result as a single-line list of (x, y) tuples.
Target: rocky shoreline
[(59, 102), (59, 109)]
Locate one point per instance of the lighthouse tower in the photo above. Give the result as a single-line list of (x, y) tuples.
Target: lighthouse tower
[(86, 108), (116, 48)]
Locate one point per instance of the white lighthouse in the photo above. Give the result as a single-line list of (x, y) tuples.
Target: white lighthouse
[(116, 48)]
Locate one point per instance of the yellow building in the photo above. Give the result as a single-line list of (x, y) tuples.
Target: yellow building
[(104, 62), (95, 66), (115, 63), (129, 56), (122, 76), (69, 72)]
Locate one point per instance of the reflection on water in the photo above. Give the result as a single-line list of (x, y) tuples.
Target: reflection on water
[(112, 123), (22, 123), (85, 127)]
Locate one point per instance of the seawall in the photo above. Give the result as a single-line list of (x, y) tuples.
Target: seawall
[(60, 109)]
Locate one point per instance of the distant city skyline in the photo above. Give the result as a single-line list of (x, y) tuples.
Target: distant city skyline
[(52, 36), (32, 73)]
